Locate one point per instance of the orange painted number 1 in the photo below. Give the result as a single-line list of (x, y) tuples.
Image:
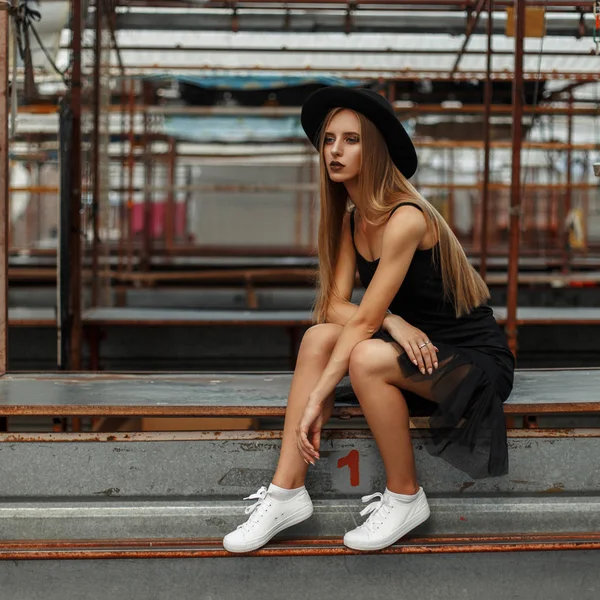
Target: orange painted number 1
[(351, 461)]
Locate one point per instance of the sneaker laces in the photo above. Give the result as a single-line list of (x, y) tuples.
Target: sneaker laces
[(378, 511), (255, 510)]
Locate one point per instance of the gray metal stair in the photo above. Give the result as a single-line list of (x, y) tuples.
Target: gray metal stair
[(131, 519)]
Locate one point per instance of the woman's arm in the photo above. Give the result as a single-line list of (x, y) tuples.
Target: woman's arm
[(401, 237)]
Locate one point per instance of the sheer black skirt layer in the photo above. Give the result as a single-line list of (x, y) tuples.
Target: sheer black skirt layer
[(462, 400)]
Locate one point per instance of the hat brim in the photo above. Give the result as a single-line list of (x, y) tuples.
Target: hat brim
[(371, 105)]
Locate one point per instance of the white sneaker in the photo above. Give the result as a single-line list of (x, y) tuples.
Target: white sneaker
[(390, 519), (268, 516)]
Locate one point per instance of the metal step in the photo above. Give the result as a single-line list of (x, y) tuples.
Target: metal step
[(111, 519), (230, 465)]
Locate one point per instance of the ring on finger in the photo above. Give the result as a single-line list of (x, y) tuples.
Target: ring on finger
[(425, 344)]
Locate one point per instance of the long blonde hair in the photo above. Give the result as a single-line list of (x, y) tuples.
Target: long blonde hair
[(382, 186)]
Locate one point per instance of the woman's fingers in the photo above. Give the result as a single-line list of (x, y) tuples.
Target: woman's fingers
[(418, 355), (430, 358), (428, 353), (410, 353), (303, 449), (316, 442), (304, 446)]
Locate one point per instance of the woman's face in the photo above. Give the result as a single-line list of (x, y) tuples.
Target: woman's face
[(342, 147)]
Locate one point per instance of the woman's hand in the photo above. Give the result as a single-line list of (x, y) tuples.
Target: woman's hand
[(309, 431), (416, 344)]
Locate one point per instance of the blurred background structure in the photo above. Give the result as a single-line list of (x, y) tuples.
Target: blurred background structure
[(159, 143), (158, 216)]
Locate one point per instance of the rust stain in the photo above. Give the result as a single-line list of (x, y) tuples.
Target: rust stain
[(212, 548), (555, 489), (465, 486)]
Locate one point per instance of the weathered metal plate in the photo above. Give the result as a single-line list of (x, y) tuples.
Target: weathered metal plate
[(225, 467), (241, 394)]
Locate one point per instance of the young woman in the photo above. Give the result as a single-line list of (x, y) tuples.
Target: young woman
[(422, 333)]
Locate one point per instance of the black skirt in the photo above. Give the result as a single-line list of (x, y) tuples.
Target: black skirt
[(462, 400)]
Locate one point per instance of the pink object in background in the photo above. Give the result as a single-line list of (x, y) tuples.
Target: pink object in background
[(157, 219)]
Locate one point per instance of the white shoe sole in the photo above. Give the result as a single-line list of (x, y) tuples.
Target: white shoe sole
[(419, 517), (293, 519)]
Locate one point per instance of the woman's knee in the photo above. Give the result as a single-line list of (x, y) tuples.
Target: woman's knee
[(368, 359), (320, 339)]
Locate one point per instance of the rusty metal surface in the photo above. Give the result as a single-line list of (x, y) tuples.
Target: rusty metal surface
[(333, 547), (251, 435), (240, 394)]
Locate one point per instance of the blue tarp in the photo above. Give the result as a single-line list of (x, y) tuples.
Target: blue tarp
[(233, 129), (259, 82)]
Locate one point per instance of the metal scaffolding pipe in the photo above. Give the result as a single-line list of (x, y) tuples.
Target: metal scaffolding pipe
[(487, 149), (460, 4), (419, 5), (96, 153), (383, 73), (401, 111), (566, 208), (74, 234), (4, 173), (336, 51), (473, 19), (515, 199)]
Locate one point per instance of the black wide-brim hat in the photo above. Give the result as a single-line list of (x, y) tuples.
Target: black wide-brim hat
[(373, 106)]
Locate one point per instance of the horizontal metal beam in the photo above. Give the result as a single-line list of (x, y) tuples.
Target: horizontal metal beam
[(419, 5), (334, 51), (332, 22)]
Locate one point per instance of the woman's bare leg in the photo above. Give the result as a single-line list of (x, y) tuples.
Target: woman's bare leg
[(375, 379), (315, 350)]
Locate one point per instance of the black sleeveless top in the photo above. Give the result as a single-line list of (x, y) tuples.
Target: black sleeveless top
[(420, 301)]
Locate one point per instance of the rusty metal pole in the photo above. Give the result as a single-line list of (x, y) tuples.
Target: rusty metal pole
[(566, 208), (485, 200), (170, 208), (515, 196), (4, 216), (148, 203), (75, 200), (96, 156), (130, 175), (471, 25), (122, 205)]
